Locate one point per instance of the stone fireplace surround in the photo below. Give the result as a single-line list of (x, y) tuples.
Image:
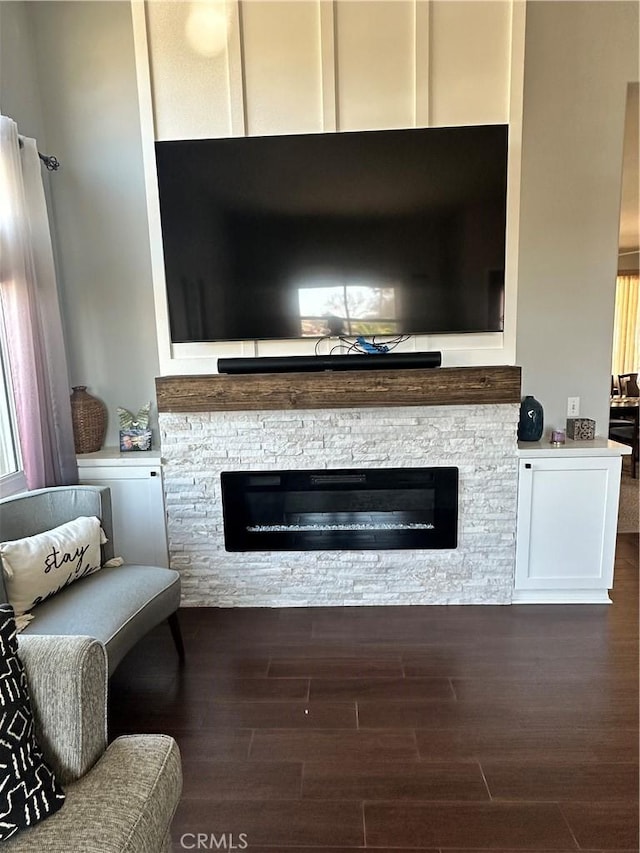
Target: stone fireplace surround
[(465, 417)]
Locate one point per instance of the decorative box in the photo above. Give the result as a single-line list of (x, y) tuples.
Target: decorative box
[(580, 429)]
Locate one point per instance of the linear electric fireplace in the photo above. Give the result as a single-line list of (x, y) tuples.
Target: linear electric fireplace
[(340, 509)]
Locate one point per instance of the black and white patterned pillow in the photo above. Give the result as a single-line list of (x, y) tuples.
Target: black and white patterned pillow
[(29, 791)]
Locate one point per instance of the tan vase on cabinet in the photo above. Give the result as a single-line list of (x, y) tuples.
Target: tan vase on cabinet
[(89, 418)]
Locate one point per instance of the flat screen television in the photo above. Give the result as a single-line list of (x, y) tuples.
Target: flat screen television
[(394, 232)]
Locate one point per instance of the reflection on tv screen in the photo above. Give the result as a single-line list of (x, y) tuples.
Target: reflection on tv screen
[(349, 310)]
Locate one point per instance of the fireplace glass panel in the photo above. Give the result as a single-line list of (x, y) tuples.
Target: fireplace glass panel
[(340, 509)]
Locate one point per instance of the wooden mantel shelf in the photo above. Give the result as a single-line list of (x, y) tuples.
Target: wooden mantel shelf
[(344, 389)]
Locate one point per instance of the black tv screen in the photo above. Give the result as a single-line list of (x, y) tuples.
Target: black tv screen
[(385, 233)]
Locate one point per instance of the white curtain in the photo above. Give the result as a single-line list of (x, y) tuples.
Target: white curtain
[(626, 327), (31, 314)]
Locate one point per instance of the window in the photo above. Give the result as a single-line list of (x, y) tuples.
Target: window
[(12, 478), (8, 451)]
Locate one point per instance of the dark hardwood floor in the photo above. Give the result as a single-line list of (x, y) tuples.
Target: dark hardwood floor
[(399, 728)]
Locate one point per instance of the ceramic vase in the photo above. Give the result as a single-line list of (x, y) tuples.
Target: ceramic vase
[(531, 421)]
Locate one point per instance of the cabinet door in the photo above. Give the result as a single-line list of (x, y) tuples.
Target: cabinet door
[(567, 516), (137, 506)]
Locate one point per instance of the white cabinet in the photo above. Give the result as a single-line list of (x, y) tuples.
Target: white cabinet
[(567, 518), (137, 502)]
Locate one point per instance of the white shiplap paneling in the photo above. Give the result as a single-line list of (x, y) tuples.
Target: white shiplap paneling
[(282, 67), (375, 64), (469, 62), (191, 94)]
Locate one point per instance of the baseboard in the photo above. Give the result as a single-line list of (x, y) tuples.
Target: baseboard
[(560, 596)]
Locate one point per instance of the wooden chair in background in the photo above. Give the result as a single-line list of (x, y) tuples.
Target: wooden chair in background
[(628, 384), (624, 427)]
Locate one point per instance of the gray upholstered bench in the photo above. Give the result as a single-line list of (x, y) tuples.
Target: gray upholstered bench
[(118, 605)]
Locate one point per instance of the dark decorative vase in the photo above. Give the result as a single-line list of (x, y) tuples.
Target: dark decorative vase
[(89, 419), (531, 420)]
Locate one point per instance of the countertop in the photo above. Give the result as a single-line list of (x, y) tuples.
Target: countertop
[(593, 447), (112, 456)]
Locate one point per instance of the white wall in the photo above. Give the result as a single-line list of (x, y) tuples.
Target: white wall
[(579, 57), (90, 114), (19, 89)]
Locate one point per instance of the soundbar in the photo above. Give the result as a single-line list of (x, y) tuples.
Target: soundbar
[(307, 363)]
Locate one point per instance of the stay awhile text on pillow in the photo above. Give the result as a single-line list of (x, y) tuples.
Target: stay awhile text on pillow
[(37, 567)]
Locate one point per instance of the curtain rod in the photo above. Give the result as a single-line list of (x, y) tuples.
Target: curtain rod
[(50, 161)]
